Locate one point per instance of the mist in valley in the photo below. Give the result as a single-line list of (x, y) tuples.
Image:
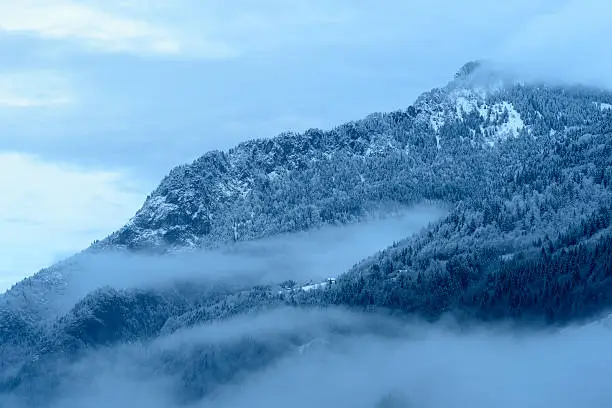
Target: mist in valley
[(304, 257), (90, 128), (337, 358), (312, 357)]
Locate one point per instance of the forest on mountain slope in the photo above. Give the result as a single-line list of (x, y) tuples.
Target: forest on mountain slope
[(528, 238)]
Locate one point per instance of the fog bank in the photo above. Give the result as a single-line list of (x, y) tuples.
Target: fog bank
[(332, 358)]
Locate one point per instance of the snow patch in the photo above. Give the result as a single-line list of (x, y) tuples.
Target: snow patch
[(507, 122), (320, 285), (314, 286), (467, 100), (436, 120), (464, 105), (483, 111), (515, 123)]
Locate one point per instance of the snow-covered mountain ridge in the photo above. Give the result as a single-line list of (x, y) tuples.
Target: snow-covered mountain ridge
[(436, 149), (284, 184)]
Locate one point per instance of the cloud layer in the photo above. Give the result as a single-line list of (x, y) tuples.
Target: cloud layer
[(94, 27), (566, 44), (331, 358), (306, 257)]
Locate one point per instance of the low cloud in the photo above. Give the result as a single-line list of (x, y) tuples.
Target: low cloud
[(568, 44), (303, 357), (97, 29), (441, 368), (331, 358), (305, 257)]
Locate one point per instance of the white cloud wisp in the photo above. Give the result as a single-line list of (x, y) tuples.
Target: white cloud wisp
[(98, 29)]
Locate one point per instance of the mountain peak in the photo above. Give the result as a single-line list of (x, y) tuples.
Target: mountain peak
[(468, 69)]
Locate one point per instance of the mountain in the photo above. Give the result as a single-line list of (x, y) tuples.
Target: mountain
[(436, 149), (525, 168), (298, 181)]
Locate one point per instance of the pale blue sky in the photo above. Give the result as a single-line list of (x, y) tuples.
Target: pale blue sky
[(101, 98)]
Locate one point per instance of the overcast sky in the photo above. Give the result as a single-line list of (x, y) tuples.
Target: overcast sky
[(99, 99)]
